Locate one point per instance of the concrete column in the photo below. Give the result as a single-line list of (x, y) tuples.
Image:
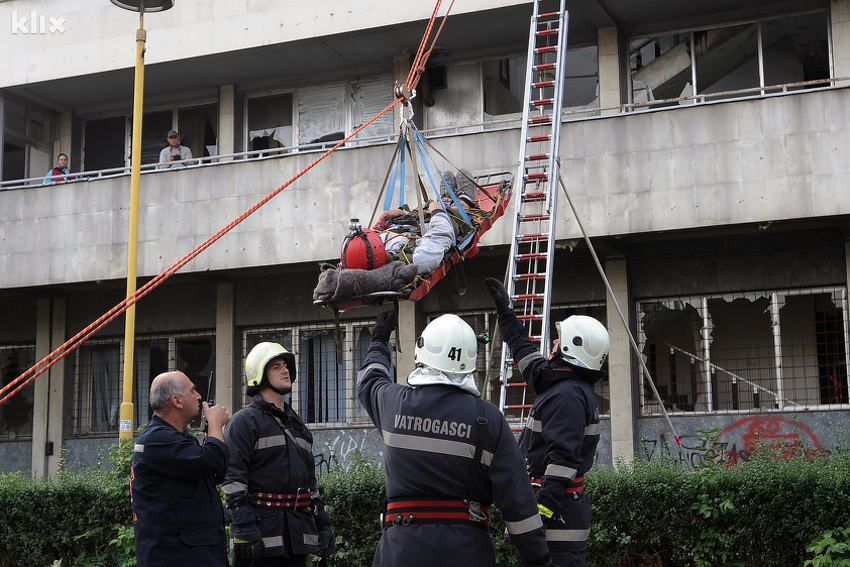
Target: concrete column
[(227, 387), (840, 18), (41, 403), (226, 119), (62, 139), (610, 96), (49, 404), (401, 68), (623, 397), (407, 329)]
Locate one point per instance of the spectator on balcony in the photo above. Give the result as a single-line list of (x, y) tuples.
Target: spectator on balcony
[(172, 156), (62, 172)]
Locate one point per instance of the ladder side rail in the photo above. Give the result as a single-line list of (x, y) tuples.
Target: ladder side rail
[(518, 198), (554, 171)]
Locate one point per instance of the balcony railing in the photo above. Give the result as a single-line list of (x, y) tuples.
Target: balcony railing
[(502, 122)]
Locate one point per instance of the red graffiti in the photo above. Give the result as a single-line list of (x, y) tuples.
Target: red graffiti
[(782, 435)]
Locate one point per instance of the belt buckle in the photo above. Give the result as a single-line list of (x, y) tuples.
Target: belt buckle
[(475, 512)]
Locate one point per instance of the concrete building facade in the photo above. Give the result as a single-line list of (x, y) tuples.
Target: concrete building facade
[(704, 149)]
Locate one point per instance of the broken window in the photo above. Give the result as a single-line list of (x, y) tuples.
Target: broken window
[(16, 414), (752, 352), (321, 114), (368, 98), (270, 122), (504, 82), (736, 60)]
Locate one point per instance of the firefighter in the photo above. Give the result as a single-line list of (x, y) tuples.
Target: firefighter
[(448, 455), (277, 517), (560, 438), (177, 513)]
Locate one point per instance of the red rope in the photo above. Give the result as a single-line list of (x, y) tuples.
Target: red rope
[(418, 66), (66, 348)]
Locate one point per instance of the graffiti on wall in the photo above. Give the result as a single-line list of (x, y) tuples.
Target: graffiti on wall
[(340, 450), (737, 441)]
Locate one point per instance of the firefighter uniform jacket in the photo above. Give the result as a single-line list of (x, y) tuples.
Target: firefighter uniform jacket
[(431, 433), (559, 440), (272, 472), (177, 512)]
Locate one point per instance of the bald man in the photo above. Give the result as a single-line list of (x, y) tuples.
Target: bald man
[(177, 512)]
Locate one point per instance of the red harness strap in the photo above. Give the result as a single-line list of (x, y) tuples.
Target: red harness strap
[(296, 500), (406, 512), (578, 485)]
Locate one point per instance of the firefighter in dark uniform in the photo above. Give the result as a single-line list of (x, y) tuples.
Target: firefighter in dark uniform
[(560, 438), (177, 513), (277, 517), (448, 455)]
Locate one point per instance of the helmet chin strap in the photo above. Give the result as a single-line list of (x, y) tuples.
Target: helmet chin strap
[(278, 390)]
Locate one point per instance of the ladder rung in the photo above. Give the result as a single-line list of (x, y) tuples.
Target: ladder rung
[(534, 197), (533, 276), (545, 49), (543, 84), (537, 120), (530, 218), (544, 67), (544, 138), (530, 317), (543, 102), (529, 256), (537, 157), (546, 33), (533, 237), (530, 297), (536, 177)]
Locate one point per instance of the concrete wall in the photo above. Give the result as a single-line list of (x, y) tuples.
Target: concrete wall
[(97, 36), (752, 161)]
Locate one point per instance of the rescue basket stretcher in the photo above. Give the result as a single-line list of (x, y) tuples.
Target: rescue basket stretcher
[(493, 193)]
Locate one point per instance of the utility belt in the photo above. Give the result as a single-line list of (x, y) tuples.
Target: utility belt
[(578, 485), (407, 512), (293, 501)]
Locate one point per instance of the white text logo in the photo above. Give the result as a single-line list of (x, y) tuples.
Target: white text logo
[(36, 24)]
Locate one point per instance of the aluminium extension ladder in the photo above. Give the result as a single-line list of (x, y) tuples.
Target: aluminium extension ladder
[(533, 244)]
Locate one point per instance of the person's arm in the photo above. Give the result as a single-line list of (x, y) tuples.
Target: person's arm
[(383, 220), (562, 419), (374, 374), (513, 494), (241, 437), (185, 152), (165, 156), (49, 178)]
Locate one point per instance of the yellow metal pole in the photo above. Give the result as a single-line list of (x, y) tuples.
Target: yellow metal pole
[(126, 425)]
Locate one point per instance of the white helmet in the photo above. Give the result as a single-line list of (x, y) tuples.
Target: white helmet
[(448, 344), (584, 341), (262, 354)]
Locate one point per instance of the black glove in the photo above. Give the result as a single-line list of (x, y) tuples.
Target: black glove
[(327, 545), (385, 325), (247, 542), (550, 499), (500, 295)]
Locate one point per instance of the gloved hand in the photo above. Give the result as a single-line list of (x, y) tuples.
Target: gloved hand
[(550, 498), (385, 325), (327, 544), (247, 542), (500, 295)]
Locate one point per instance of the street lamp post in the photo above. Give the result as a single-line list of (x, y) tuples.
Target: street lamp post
[(141, 6)]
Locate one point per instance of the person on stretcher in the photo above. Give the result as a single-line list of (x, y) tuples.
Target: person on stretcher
[(395, 235)]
